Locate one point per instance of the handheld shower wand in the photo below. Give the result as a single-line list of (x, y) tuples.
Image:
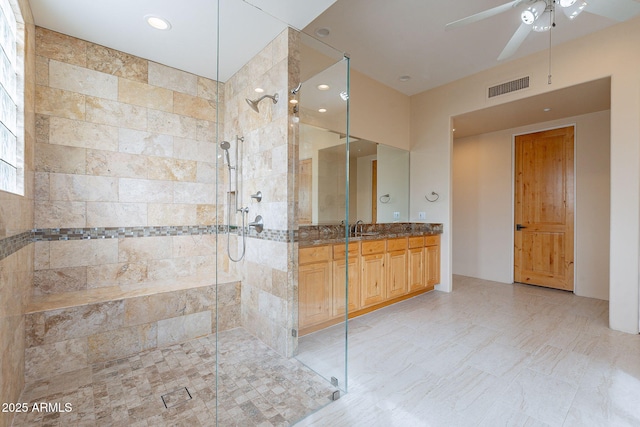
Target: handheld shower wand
[(225, 145)]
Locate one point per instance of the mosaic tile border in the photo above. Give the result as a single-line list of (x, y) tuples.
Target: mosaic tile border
[(12, 244), (16, 242)]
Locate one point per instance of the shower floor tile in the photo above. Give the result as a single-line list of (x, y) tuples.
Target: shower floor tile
[(257, 387)]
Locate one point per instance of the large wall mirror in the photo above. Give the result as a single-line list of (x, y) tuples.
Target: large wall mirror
[(378, 179)]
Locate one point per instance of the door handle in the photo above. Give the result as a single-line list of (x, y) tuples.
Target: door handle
[(519, 227)]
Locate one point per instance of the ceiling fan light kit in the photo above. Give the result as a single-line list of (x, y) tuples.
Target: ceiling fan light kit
[(533, 12), (544, 22), (539, 16), (574, 9)]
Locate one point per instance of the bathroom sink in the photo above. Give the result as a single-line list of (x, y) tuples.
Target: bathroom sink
[(368, 233)]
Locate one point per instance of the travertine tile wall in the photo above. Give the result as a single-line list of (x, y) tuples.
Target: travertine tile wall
[(16, 262), (124, 146), (121, 142), (268, 309)]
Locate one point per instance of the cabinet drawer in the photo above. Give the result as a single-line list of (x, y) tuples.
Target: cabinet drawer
[(397, 244), (339, 250), (373, 247), (416, 242), (432, 240), (314, 254)]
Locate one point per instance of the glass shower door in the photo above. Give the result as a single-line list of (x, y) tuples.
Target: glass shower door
[(320, 112), (258, 379)]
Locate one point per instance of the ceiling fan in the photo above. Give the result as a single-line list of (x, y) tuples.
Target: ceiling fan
[(539, 15)]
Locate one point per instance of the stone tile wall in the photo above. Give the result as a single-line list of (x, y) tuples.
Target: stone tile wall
[(267, 287), (121, 142), (125, 196), (62, 338), (16, 254)]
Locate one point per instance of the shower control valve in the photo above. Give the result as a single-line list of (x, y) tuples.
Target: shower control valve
[(257, 196)]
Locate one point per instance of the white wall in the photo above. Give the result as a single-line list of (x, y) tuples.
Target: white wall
[(611, 52), (482, 197), (483, 203)]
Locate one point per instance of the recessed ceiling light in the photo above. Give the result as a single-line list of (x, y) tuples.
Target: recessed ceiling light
[(322, 32), (293, 101), (404, 78), (546, 110), (157, 22), (322, 110), (258, 90), (323, 87)]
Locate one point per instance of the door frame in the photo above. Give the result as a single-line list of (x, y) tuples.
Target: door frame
[(575, 196)]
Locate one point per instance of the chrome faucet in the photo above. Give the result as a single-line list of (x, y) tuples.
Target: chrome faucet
[(355, 229)]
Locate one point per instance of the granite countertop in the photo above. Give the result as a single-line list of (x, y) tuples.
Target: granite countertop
[(313, 235)]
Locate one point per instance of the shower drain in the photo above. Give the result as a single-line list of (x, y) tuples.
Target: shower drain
[(176, 398)]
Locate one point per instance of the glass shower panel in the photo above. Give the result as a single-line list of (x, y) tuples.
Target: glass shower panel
[(258, 379), (324, 262)]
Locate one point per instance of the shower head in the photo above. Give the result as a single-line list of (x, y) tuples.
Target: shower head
[(225, 145), (253, 103)]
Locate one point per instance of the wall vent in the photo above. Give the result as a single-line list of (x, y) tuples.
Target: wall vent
[(508, 87)]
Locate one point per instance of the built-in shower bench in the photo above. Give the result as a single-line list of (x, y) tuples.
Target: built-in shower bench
[(70, 331)]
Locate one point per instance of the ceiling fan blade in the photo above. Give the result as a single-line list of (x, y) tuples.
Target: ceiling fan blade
[(483, 15), (516, 40), (620, 10)]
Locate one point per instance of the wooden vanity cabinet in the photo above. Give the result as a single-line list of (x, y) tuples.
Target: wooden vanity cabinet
[(432, 260), (416, 261), (372, 280), (339, 276), (381, 272), (396, 267), (314, 285)]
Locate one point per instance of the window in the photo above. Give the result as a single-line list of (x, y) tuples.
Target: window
[(11, 145)]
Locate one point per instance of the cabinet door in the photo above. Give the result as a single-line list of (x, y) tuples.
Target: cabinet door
[(416, 269), (372, 286), (396, 273), (339, 275), (432, 265), (314, 293)]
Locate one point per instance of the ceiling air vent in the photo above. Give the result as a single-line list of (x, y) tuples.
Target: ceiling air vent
[(508, 87)]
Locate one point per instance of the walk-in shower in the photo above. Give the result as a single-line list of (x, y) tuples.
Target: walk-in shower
[(253, 103)]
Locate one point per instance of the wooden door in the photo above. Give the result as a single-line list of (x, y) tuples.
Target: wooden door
[(432, 265), (416, 269), (339, 275), (314, 293), (544, 208), (304, 191), (372, 286), (396, 273), (396, 266)]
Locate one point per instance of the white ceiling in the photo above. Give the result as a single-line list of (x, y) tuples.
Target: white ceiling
[(386, 39), (389, 39), (192, 42)]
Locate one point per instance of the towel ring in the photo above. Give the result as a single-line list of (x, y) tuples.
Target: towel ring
[(433, 193), (386, 198)]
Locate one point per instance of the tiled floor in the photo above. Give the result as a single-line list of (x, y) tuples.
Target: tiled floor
[(175, 386), (487, 354)]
